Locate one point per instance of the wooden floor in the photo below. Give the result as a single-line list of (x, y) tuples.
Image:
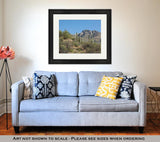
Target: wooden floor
[(152, 128)]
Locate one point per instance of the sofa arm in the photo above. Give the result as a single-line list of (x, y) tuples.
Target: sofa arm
[(139, 91), (17, 95)]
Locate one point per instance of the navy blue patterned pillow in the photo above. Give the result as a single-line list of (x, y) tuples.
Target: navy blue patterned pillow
[(125, 90), (43, 86)]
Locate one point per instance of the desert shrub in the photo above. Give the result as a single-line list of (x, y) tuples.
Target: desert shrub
[(63, 49), (71, 50), (73, 38), (60, 33), (66, 35), (86, 45), (76, 44), (77, 39), (91, 47), (61, 39), (79, 49)]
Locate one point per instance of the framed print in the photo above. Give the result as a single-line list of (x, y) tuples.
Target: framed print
[(79, 36)]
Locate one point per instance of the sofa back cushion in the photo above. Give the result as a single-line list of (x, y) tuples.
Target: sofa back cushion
[(89, 81), (66, 82)]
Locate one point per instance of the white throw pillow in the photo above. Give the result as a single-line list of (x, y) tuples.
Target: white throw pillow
[(28, 90)]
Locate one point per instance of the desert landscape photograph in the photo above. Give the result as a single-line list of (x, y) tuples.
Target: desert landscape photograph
[(79, 36)]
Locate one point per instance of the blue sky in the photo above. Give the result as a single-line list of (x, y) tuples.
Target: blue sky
[(74, 26)]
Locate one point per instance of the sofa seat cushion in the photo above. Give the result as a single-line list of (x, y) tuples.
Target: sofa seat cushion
[(99, 104), (50, 104)]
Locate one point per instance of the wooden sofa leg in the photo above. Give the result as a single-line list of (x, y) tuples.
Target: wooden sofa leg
[(16, 129), (141, 129)]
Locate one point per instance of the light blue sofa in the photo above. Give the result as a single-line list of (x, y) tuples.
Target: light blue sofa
[(76, 105)]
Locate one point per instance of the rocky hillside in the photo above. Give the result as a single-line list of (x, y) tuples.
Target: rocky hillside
[(85, 42), (90, 35)]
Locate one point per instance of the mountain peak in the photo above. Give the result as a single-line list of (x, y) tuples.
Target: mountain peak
[(90, 33)]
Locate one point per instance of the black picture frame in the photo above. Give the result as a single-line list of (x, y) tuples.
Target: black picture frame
[(51, 59)]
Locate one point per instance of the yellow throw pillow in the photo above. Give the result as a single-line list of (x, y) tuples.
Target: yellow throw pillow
[(109, 87)]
